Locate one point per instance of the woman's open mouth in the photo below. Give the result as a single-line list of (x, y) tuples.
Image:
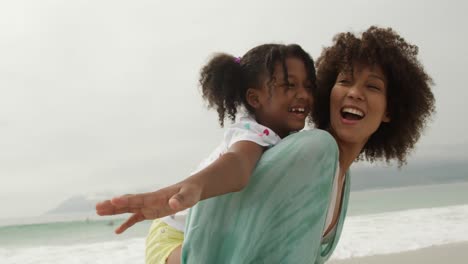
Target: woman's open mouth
[(352, 114)]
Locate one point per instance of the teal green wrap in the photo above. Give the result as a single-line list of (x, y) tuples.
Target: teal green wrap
[(280, 216)]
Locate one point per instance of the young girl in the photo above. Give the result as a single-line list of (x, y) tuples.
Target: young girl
[(273, 84)]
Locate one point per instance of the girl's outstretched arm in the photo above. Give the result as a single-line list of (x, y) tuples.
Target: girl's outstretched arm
[(229, 173)]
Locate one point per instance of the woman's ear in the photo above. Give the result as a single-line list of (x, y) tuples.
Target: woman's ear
[(253, 98), (386, 118)]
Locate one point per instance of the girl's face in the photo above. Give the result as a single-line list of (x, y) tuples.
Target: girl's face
[(284, 107), (358, 104)]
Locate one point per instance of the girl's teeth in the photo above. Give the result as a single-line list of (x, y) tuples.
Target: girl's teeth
[(300, 110)]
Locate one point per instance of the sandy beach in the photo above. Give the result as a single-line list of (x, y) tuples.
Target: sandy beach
[(451, 253)]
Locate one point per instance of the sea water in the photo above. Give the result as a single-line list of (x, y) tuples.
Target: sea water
[(378, 222)]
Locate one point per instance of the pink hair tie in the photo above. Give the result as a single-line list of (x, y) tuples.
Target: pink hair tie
[(237, 60)]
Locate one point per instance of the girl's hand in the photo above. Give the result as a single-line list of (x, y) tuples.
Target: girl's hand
[(151, 205)]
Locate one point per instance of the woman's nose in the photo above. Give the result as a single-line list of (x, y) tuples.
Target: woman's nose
[(356, 92)]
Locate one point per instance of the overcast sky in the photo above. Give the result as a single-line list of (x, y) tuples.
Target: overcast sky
[(101, 96)]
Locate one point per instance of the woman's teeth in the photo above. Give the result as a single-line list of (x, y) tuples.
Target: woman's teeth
[(353, 111)]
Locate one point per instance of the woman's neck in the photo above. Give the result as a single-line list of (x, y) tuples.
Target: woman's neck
[(348, 151), (348, 154)]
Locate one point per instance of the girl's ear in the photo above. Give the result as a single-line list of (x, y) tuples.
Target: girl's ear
[(253, 98)]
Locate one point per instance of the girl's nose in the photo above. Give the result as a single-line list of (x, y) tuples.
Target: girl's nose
[(303, 93)]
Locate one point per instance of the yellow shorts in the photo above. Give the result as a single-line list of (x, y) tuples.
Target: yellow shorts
[(161, 241)]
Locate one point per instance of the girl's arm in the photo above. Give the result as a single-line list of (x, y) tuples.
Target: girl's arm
[(229, 173)]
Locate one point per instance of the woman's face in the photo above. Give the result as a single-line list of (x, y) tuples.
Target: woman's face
[(358, 104)]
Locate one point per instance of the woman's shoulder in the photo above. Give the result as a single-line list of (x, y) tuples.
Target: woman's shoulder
[(313, 139), (316, 135)]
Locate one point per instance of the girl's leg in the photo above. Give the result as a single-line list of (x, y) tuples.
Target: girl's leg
[(174, 257), (162, 243), (279, 217)]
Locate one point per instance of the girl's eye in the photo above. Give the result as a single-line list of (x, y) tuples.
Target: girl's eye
[(290, 85), (343, 81)]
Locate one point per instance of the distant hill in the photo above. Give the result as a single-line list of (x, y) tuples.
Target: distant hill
[(421, 173), (75, 204), (83, 204)]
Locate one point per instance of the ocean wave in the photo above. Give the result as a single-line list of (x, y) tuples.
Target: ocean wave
[(118, 252), (394, 232), (363, 235)]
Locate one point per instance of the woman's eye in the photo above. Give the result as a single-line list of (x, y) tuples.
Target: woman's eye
[(374, 87), (343, 81), (291, 85)]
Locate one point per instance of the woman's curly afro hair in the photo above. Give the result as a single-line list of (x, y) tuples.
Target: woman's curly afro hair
[(410, 102)]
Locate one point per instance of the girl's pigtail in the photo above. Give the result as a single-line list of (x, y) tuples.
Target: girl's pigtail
[(222, 85)]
